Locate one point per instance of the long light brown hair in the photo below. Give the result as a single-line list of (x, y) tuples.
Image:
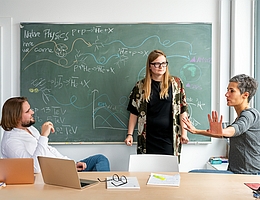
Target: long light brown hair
[(148, 77), (12, 112)]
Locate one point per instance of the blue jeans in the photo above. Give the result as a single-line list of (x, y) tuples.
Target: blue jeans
[(97, 163)]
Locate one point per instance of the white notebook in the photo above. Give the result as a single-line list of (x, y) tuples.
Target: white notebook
[(165, 180), (132, 183)]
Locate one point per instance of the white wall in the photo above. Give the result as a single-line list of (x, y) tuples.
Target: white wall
[(217, 12)]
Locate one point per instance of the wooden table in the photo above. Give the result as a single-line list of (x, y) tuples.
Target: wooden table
[(192, 186)]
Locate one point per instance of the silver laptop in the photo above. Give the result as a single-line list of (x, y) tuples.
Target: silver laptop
[(16, 171), (62, 172)]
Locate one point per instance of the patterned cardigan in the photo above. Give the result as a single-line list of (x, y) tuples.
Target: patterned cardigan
[(179, 106)]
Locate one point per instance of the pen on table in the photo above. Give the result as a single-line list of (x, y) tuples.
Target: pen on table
[(159, 177), (2, 184), (256, 195)]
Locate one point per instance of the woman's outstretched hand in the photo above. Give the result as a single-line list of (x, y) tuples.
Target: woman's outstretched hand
[(215, 126)]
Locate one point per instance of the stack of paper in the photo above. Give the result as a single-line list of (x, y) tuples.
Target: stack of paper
[(132, 183), (166, 180)]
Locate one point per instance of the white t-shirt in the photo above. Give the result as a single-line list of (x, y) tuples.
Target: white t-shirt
[(18, 143)]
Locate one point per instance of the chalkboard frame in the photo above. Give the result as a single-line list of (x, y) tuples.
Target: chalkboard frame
[(197, 60)]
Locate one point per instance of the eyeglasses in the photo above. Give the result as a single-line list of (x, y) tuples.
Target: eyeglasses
[(115, 178), (157, 64)]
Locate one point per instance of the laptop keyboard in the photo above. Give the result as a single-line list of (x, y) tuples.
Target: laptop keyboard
[(83, 184)]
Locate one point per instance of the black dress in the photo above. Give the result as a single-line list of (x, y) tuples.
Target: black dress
[(159, 124), (159, 130)]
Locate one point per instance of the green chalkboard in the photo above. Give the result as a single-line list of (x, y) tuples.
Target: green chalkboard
[(79, 76)]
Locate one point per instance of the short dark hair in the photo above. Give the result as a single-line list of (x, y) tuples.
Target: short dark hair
[(245, 84), (12, 112)]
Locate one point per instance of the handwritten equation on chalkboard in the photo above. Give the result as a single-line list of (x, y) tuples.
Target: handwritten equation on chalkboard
[(79, 76)]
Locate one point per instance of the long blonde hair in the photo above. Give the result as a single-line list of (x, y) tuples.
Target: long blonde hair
[(148, 80)]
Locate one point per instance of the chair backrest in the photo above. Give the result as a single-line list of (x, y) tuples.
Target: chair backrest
[(153, 163)]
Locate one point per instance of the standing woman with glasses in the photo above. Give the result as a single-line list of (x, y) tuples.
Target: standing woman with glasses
[(158, 104)]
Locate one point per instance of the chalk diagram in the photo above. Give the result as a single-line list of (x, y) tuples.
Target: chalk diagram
[(99, 56)]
